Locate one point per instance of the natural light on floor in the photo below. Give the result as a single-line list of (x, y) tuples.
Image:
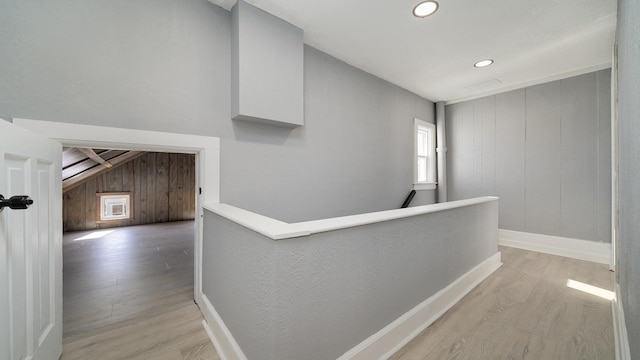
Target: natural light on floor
[(590, 289), (95, 235)]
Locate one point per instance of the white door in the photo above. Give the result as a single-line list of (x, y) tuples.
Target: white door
[(30, 247)]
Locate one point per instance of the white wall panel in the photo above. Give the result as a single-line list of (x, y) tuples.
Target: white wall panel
[(542, 159), (544, 150), (603, 187), (488, 142), (453, 118), (468, 153), (578, 156), (476, 147), (510, 159)]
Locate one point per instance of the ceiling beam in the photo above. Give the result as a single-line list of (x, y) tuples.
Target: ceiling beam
[(78, 179), (95, 157)]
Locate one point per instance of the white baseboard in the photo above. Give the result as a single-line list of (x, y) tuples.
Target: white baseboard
[(394, 336), (556, 245), (620, 336), (223, 341)]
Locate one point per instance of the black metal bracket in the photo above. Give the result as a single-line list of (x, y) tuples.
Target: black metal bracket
[(17, 202)]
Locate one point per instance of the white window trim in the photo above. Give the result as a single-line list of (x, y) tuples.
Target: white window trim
[(424, 185), (103, 215)]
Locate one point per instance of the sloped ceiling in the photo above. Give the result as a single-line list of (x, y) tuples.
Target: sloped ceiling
[(530, 41), (82, 164)]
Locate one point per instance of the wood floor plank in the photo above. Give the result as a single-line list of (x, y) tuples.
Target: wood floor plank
[(129, 295), (524, 311)]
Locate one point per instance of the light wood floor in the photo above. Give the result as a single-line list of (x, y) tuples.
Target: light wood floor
[(525, 311), (129, 295)]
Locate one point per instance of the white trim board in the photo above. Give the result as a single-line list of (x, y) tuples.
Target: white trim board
[(397, 334), (556, 245), (620, 337), (278, 230), (223, 341)]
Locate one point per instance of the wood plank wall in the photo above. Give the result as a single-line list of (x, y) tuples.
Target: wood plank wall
[(162, 188)]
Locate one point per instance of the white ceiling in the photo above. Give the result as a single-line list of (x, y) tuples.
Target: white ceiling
[(530, 41)]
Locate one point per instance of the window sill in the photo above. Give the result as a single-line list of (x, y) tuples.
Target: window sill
[(424, 186)]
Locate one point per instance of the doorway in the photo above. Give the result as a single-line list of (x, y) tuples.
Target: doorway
[(207, 165), (205, 148), (128, 244)]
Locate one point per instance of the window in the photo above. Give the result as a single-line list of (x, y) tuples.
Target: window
[(115, 206), (424, 174)]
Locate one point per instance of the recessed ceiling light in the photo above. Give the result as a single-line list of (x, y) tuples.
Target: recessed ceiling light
[(425, 8), (483, 63)]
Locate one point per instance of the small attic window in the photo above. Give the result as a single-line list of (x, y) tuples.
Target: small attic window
[(115, 206)]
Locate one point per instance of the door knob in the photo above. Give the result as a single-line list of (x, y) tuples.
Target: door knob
[(18, 202)]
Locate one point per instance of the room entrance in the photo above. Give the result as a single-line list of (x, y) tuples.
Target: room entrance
[(128, 249), (207, 166)]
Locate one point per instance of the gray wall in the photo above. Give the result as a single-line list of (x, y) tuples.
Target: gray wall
[(544, 150), (316, 297), (165, 65), (353, 155), (279, 48), (628, 40), (153, 65)]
